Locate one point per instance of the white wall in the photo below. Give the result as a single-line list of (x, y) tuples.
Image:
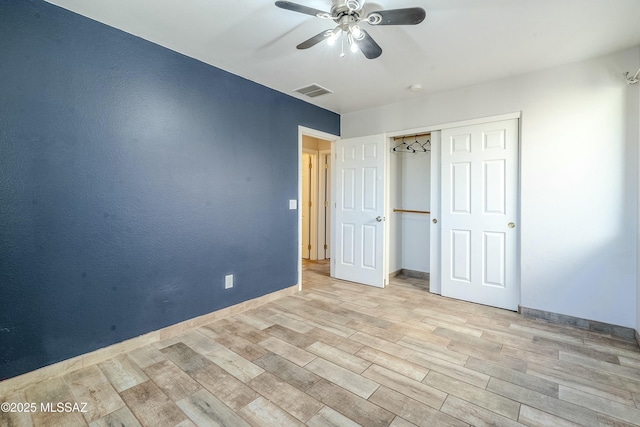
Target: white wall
[(579, 180)]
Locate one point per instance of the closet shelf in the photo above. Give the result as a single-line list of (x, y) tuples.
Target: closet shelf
[(412, 211)]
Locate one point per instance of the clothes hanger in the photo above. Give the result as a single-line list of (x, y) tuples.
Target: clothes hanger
[(416, 146), (407, 148)]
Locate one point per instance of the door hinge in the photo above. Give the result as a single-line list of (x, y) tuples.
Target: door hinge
[(310, 203), (309, 247), (310, 165), (326, 166), (326, 247), (326, 204)]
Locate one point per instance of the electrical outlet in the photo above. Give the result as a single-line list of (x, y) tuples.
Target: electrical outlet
[(228, 281)]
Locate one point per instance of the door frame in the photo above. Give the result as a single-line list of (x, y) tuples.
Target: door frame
[(435, 283), (303, 130)]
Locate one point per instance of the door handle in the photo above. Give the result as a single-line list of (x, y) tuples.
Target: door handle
[(512, 225), (379, 218)]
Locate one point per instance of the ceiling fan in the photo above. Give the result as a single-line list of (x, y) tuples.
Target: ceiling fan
[(349, 14)]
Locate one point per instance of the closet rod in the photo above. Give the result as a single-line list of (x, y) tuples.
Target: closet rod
[(395, 138), (411, 211)]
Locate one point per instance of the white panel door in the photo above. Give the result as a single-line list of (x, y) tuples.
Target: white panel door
[(326, 208), (306, 208), (479, 205), (359, 219)]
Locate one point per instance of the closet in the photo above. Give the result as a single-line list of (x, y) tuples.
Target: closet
[(409, 202)]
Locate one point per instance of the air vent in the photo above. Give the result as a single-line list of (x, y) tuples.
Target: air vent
[(313, 90)]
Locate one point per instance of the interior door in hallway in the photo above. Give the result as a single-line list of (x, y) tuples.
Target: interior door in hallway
[(306, 204), (325, 208), (359, 220), (479, 178)]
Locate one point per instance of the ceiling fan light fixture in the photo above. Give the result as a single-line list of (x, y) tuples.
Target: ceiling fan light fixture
[(353, 46), (356, 32), (354, 5), (333, 35), (374, 18)]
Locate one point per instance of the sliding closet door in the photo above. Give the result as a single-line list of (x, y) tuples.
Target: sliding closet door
[(360, 203), (479, 203)]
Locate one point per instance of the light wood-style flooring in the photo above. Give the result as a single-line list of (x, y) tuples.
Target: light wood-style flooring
[(342, 354)]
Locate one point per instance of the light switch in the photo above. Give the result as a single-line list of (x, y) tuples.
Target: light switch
[(293, 204)]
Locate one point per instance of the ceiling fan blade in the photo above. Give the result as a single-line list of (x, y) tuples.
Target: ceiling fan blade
[(300, 8), (408, 16), (369, 47), (313, 40)]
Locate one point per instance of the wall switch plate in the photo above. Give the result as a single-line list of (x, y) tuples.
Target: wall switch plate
[(228, 281), (293, 204)]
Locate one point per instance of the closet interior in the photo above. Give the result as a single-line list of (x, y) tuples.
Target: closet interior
[(409, 198)]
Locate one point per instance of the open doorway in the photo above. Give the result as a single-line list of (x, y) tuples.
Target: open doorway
[(315, 207), (315, 219)]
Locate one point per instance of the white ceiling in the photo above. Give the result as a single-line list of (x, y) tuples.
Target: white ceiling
[(461, 42)]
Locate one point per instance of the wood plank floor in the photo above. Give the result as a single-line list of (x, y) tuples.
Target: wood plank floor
[(342, 354)]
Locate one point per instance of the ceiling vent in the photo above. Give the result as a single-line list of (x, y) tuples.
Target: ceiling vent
[(313, 90)]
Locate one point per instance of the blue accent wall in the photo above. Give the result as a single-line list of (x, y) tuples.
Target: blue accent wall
[(132, 179)]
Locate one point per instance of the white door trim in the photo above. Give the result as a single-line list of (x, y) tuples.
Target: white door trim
[(431, 128), (303, 130)]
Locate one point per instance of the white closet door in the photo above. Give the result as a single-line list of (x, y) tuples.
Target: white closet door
[(435, 283), (479, 213), (359, 219)]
